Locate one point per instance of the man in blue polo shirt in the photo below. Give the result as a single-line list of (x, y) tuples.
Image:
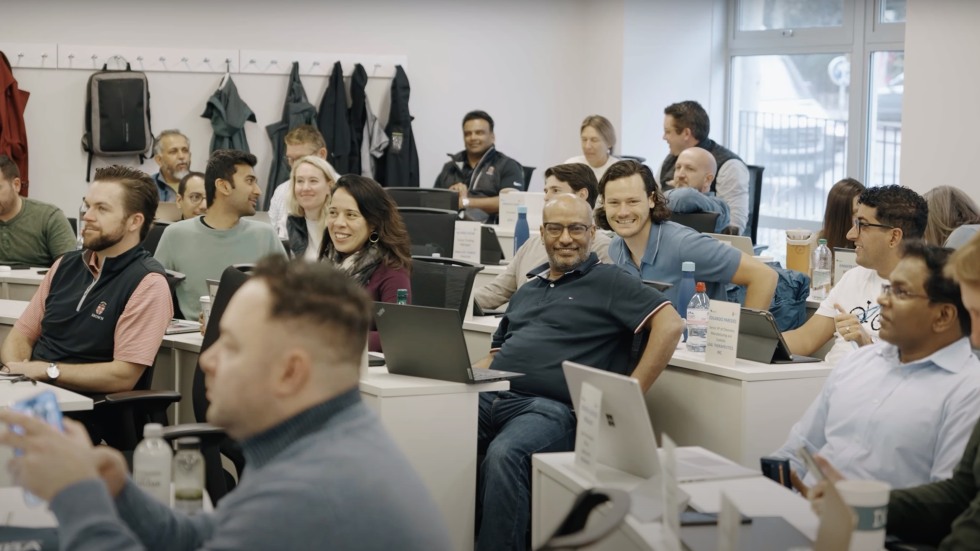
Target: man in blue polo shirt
[(648, 245), (574, 308)]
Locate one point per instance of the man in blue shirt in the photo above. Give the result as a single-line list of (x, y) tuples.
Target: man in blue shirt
[(902, 410), (653, 248), (575, 308), (172, 153)]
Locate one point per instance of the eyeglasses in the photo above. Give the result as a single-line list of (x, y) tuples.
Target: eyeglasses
[(195, 198), (575, 230), (862, 224), (899, 293)]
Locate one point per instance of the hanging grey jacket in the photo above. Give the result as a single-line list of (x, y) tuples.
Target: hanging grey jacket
[(228, 114)]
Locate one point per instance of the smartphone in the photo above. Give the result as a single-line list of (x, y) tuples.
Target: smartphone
[(44, 406), (811, 465), (777, 469)]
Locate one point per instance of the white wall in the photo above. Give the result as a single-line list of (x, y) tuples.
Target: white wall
[(940, 111), (537, 66)]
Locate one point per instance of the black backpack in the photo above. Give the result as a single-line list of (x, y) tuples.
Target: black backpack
[(117, 115)]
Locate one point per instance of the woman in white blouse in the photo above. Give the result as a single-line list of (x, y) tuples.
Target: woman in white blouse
[(310, 186)]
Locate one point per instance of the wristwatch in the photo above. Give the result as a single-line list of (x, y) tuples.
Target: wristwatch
[(466, 202), (53, 372)]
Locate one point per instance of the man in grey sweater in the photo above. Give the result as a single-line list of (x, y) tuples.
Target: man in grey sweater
[(282, 380)]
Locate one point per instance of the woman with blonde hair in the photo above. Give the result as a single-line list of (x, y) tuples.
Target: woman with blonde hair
[(949, 208), (306, 204), (598, 140)]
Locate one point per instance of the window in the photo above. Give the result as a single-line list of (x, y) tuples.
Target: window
[(815, 95)]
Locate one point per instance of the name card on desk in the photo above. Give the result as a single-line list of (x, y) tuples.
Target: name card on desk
[(723, 332), (466, 241), (507, 215), (587, 432), (844, 260), (729, 524), (668, 465)]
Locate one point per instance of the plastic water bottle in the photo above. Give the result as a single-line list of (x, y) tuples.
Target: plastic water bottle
[(697, 320), (401, 296), (188, 476), (685, 291), (521, 231), (151, 463), (820, 265)]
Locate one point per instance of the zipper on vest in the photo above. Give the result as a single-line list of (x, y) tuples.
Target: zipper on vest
[(85, 294)]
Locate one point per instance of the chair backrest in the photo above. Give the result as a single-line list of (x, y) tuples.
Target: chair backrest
[(431, 198), (703, 222), (755, 199), (174, 279), (432, 231), (153, 236), (636, 158), (443, 282), (73, 222), (576, 532), (528, 172), (231, 279)]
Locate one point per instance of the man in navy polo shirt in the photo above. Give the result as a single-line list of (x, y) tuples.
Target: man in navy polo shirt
[(574, 308)]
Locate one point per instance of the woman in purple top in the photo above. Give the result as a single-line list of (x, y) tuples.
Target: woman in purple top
[(368, 241)]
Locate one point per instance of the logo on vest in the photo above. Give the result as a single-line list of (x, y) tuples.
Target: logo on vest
[(490, 171), (98, 311)]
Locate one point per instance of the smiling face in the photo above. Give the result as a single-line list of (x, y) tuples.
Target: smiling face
[(873, 245), (311, 188), (348, 228), (243, 192), (595, 149), (628, 206), (477, 137), (677, 139), (567, 233)]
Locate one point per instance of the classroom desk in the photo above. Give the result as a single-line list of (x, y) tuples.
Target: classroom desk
[(20, 284), (435, 425), (742, 412), (478, 331), (487, 274), (556, 482)]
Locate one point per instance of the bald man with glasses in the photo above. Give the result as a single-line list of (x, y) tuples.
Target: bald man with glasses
[(886, 217)]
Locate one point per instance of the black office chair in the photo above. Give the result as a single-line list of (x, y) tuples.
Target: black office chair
[(173, 280), (755, 199), (636, 158), (443, 282), (432, 231), (703, 222), (430, 198), (73, 222), (574, 533), (152, 239), (528, 172)]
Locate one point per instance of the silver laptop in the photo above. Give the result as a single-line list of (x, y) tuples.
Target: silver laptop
[(428, 342), (740, 242)]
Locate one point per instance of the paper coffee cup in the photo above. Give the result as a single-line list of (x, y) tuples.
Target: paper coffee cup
[(205, 309), (869, 501)]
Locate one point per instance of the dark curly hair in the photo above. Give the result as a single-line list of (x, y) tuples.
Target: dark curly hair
[(624, 169), (939, 286), (899, 207)]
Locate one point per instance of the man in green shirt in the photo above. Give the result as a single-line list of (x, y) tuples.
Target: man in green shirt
[(31, 232), (946, 513)]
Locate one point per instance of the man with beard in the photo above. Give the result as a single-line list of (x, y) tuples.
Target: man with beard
[(31, 232), (202, 247), (693, 173), (172, 152), (98, 317), (574, 308)]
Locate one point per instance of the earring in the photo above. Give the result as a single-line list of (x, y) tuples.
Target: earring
[(374, 237)]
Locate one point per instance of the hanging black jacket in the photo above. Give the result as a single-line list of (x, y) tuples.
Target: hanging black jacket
[(334, 121), (358, 115), (296, 111), (400, 165)]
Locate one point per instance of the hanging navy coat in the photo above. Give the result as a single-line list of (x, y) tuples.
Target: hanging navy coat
[(400, 165), (358, 115), (13, 134), (334, 121), (228, 114), (296, 111)]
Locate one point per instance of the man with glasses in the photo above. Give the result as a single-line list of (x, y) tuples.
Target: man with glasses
[(191, 199), (573, 308), (301, 141), (886, 217), (900, 411)]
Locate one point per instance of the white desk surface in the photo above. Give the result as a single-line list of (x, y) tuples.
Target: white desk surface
[(10, 310), (68, 400), (747, 370), (482, 324), (378, 382), (190, 342), (29, 276)]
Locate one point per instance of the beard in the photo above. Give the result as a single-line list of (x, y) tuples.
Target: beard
[(179, 174), (102, 241)]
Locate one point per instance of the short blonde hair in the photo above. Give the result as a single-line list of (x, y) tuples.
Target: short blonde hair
[(964, 264), (292, 206)]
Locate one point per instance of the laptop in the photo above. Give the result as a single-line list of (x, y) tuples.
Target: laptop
[(740, 242), (760, 340), (428, 342)]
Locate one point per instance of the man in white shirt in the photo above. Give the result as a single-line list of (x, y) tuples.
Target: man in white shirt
[(886, 217), (902, 410), (301, 141)]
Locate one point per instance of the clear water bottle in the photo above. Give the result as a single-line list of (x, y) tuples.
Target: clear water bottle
[(820, 265), (188, 476), (151, 463), (685, 291), (697, 320), (521, 231), (401, 296), (79, 225)]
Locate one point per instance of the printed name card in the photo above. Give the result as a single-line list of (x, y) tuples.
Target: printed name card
[(466, 243), (729, 522), (587, 433), (844, 260), (723, 332), (507, 216), (668, 464)]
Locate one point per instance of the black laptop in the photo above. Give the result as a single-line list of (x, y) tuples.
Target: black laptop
[(428, 342)]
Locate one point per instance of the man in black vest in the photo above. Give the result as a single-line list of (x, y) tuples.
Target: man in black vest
[(100, 313), (686, 124)]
